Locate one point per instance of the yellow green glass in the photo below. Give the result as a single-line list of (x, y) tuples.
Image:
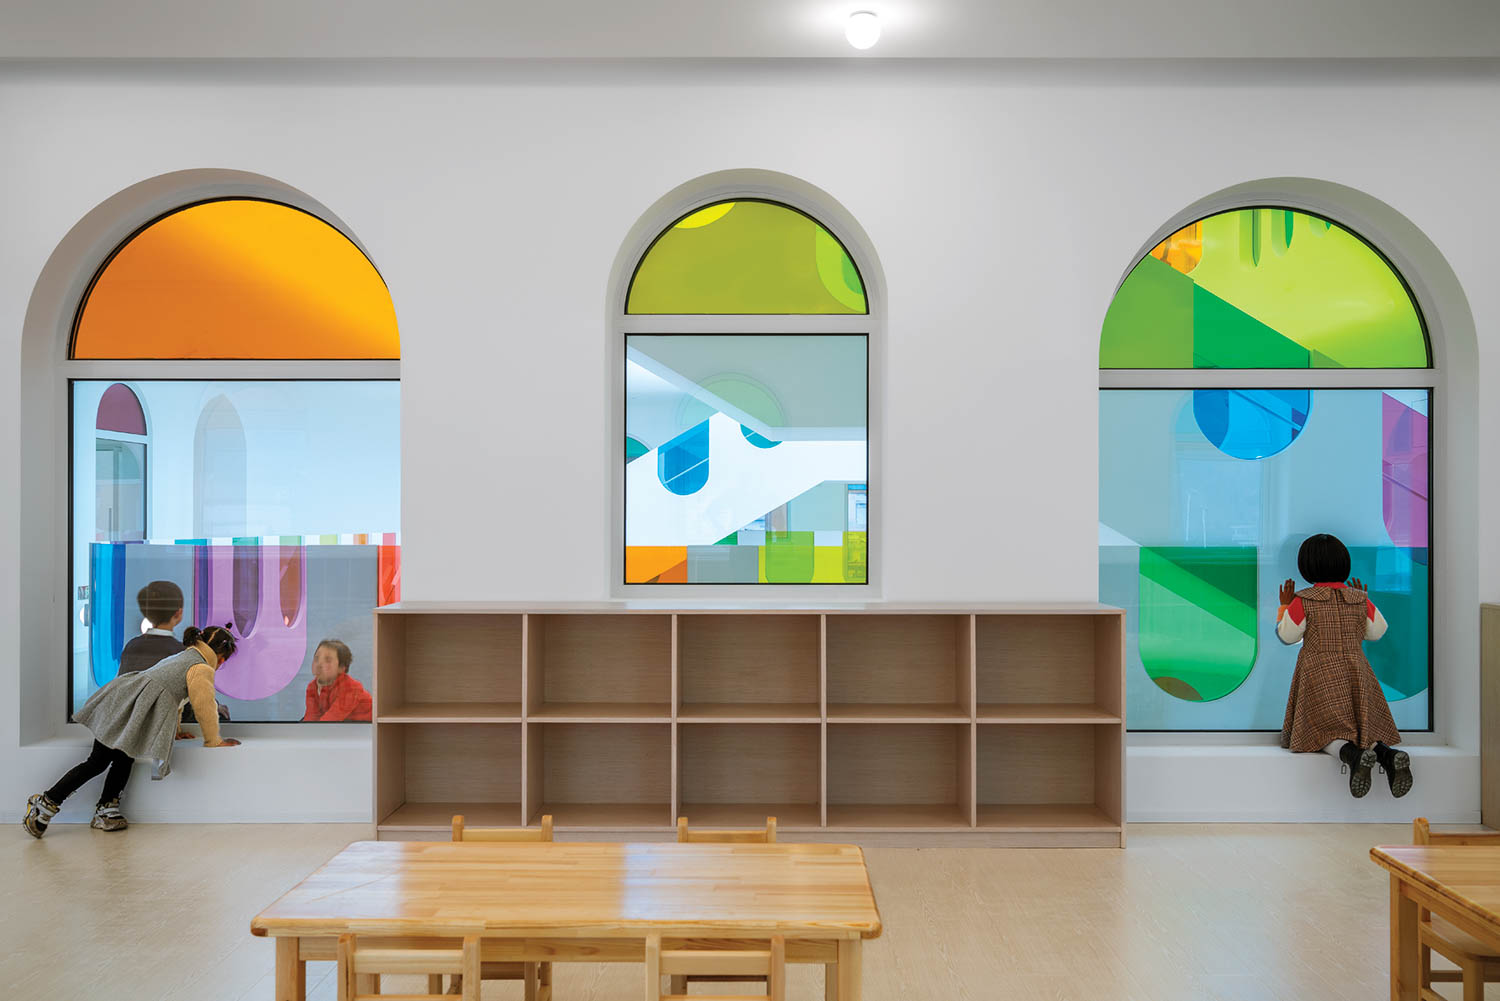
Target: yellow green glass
[(1263, 288), (752, 257)]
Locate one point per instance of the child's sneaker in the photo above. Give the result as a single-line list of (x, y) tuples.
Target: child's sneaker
[(39, 813), (107, 817)]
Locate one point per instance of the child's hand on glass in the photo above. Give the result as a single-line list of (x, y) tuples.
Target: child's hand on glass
[(1288, 592), (1356, 583), (185, 734)]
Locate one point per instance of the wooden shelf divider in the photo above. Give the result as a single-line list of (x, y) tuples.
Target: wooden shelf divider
[(1005, 720)]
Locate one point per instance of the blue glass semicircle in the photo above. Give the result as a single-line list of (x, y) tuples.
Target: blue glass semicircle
[(758, 440), (1251, 423), (682, 463)]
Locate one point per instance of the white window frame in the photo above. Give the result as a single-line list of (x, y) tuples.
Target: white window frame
[(1430, 379), (743, 186), (68, 370)]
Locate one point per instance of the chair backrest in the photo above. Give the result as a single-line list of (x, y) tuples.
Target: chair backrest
[(460, 958), (769, 963), (755, 837), (462, 833), (1423, 834)]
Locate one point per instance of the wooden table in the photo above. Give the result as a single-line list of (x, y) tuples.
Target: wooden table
[(582, 902), (1460, 883)]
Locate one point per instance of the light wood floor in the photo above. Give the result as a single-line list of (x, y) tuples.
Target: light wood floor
[(1190, 912)]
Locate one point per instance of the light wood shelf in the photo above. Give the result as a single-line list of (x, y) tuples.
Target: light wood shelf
[(439, 816), (774, 769), (1045, 712), (897, 817), (1046, 817), (453, 712), (602, 712), (748, 659), (749, 712), (901, 661), (607, 816), (894, 712), (619, 717)]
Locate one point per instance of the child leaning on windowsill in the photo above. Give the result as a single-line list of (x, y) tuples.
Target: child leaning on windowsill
[(160, 603), (137, 716), (1336, 705), (333, 696)]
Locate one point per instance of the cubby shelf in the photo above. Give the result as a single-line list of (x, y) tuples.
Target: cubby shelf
[(897, 712), (1003, 720), (748, 712), (453, 712), (1045, 712), (602, 712)]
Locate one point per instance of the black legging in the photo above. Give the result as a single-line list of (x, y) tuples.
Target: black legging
[(100, 758)]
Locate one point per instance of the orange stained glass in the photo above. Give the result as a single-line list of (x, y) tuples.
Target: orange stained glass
[(239, 278), (1183, 249)]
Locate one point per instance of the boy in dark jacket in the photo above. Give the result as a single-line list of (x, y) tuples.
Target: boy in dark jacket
[(161, 605)]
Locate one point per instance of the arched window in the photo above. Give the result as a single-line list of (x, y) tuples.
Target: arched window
[(1265, 375), (262, 343), (746, 329), (120, 467)]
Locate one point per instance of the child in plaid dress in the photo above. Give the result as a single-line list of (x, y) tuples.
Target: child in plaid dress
[(1336, 704)]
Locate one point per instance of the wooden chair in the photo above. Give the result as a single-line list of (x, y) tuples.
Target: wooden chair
[(716, 964), (1477, 963), (686, 835), (462, 833), (753, 837), (360, 968), (536, 977)]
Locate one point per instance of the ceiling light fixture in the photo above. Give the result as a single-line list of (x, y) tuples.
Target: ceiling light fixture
[(863, 29)]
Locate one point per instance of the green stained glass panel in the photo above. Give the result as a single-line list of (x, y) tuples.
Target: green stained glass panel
[(1263, 288), (747, 257), (1197, 619)]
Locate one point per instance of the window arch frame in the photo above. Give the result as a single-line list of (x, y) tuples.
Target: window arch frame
[(1433, 378), (827, 212), (124, 217)]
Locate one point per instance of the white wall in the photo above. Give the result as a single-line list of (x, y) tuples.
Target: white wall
[(1005, 203)]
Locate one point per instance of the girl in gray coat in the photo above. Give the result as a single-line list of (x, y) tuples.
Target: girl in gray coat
[(138, 716)]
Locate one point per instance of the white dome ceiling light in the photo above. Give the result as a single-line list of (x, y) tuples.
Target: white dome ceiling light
[(863, 29)]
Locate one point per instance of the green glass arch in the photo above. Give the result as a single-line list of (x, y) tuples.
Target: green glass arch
[(746, 256), (1266, 287)]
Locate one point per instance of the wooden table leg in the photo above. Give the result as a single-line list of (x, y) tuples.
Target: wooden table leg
[(291, 972), (850, 978), (830, 982), (1404, 948)]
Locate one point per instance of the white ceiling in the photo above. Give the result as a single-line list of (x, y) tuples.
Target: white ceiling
[(746, 28)]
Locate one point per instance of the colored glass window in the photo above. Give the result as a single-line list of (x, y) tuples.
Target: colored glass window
[(238, 278), (274, 506), (1202, 508), (1263, 288), (755, 460), (749, 257)]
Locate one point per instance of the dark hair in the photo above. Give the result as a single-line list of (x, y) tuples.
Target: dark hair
[(159, 601), (340, 650), (216, 638), (1323, 559)]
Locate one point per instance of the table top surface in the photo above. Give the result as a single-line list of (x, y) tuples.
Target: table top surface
[(581, 889), (1467, 876)]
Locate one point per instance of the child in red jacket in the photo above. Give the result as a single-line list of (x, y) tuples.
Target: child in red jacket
[(333, 696)]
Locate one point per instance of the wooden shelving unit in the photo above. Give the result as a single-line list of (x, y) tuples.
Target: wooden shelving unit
[(1006, 720)]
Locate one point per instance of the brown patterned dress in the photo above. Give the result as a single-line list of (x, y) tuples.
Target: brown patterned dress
[(1334, 693)]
